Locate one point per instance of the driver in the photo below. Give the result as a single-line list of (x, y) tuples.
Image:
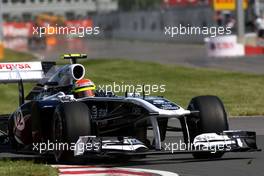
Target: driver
[(84, 88)]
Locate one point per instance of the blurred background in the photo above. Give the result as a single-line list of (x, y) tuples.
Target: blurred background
[(133, 31)]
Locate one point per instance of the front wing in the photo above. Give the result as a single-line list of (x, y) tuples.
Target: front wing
[(228, 141)]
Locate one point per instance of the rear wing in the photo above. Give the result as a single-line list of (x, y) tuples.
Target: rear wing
[(12, 72), (20, 72)]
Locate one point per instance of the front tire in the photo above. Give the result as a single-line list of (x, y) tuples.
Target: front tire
[(211, 119), (70, 120)]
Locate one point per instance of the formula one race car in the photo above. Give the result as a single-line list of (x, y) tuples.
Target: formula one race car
[(50, 119)]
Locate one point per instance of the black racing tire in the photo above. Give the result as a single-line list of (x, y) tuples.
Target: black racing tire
[(70, 120), (211, 119), (12, 141)]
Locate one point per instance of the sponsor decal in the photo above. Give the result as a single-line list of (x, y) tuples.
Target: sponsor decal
[(15, 71), (17, 29), (11, 66), (224, 46), (21, 66), (227, 4)]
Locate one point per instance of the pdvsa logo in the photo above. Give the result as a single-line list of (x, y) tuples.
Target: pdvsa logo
[(7, 66)]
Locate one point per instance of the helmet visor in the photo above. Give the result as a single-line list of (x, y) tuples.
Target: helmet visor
[(85, 93)]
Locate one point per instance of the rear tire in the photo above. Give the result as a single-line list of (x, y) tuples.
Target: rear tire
[(211, 119), (70, 120), (14, 144)]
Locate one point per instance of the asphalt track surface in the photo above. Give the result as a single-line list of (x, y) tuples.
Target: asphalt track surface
[(191, 55), (232, 164)]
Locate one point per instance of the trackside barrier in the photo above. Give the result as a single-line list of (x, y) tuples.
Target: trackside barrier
[(224, 46)]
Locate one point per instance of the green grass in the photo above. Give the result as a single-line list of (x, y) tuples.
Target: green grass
[(15, 56), (241, 93), (25, 168)]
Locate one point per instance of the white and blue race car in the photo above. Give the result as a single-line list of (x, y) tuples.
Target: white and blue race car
[(110, 125)]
